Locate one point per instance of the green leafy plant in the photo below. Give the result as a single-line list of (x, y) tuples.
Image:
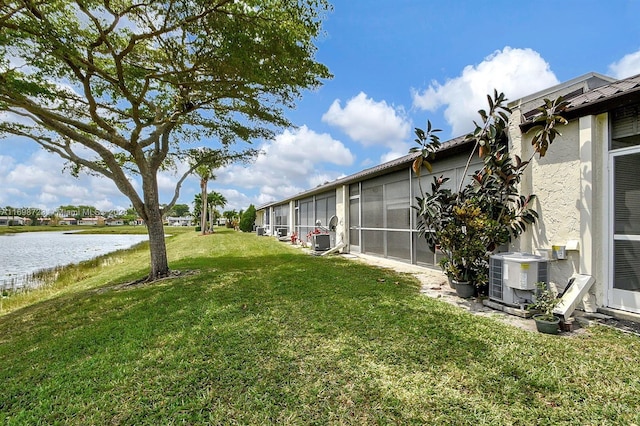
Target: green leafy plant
[(471, 223), (248, 219), (464, 240), (545, 302)]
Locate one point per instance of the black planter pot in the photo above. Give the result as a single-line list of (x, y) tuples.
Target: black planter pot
[(482, 290), (464, 289), (451, 284), (545, 326)]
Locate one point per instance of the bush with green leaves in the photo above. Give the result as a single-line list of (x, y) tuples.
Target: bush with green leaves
[(469, 224), (248, 219)]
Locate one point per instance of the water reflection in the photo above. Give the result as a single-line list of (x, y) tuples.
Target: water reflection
[(23, 254)]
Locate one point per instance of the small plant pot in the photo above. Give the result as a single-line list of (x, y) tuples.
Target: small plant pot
[(464, 289), (543, 325), (451, 284)]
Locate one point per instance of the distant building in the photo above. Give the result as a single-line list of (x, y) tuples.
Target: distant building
[(91, 221), (13, 221), (68, 221), (138, 221), (180, 220)]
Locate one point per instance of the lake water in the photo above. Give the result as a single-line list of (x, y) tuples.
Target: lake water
[(24, 253)]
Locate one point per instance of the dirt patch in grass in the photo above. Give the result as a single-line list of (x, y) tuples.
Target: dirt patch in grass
[(627, 326)]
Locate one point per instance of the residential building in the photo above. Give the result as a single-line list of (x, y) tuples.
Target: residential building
[(179, 220), (68, 221), (13, 221), (587, 188), (91, 221)]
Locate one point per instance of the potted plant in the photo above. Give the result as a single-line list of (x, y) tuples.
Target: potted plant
[(463, 241), (469, 224), (546, 301)]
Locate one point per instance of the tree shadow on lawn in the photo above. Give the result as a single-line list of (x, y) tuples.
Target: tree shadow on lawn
[(248, 325), (304, 294)]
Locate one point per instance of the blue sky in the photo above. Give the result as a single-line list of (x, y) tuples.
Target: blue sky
[(395, 65)]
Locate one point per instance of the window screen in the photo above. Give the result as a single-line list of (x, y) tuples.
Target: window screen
[(625, 127)]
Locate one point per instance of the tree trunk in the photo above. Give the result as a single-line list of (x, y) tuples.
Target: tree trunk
[(157, 246), (203, 208), (211, 218), (155, 228)]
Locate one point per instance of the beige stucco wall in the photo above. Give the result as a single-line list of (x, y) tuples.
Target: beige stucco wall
[(555, 179), (260, 218), (569, 183), (600, 190), (292, 217), (342, 205)]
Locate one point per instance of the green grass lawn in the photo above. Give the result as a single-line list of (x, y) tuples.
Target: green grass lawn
[(257, 332)]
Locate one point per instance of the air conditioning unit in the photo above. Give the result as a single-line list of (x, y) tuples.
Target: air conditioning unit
[(321, 242), (260, 230), (282, 232), (513, 277)]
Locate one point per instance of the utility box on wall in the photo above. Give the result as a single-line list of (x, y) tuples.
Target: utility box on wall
[(513, 277)]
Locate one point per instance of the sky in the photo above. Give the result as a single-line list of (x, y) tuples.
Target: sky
[(396, 64)]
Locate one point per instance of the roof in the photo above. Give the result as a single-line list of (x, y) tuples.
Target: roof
[(627, 88), (597, 100), (567, 89), (447, 149)]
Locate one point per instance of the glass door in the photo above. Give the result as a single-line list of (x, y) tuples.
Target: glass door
[(354, 218), (354, 224), (624, 287)]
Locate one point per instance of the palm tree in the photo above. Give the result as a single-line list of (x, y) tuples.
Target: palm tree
[(205, 172), (231, 216), (215, 199)]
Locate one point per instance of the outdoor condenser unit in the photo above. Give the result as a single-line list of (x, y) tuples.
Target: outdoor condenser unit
[(321, 242), (282, 232), (513, 277), (260, 230)]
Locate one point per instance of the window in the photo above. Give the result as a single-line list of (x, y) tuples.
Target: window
[(281, 214), (625, 127)]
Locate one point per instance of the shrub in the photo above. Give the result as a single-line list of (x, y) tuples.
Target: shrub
[(248, 219), (469, 224)]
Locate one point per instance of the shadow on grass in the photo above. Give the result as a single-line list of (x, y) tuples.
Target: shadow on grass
[(254, 337), (284, 338)]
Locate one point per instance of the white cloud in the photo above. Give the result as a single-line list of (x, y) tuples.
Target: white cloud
[(320, 179), (628, 66), (369, 122), (6, 164), (291, 163), (48, 199), (398, 151), (515, 72), (304, 148), (236, 200), (39, 181), (73, 191), (40, 169)]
